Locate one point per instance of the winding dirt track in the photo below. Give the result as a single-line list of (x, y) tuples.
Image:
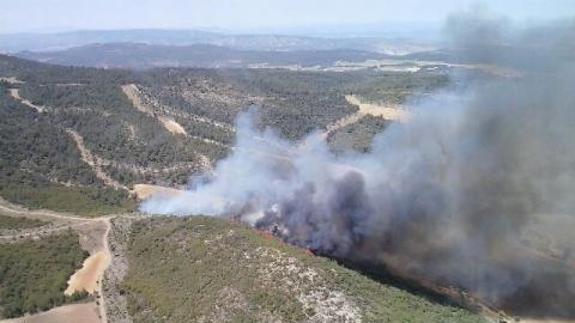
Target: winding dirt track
[(15, 93), (94, 162), (93, 238), (133, 93), (387, 112)]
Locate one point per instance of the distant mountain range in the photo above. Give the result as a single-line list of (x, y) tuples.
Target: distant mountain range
[(13, 43), (143, 56)]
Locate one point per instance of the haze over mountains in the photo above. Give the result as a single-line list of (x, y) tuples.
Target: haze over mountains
[(139, 56), (13, 43), (200, 176)]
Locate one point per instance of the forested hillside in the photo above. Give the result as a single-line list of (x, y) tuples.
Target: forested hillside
[(88, 135), (34, 274)]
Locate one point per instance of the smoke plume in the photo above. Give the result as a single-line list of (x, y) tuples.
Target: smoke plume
[(448, 196)]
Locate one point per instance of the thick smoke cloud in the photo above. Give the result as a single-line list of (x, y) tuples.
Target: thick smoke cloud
[(446, 197)]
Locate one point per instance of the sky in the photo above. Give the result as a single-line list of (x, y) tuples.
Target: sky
[(251, 15)]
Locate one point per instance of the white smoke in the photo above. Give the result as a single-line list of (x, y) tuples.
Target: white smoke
[(444, 196)]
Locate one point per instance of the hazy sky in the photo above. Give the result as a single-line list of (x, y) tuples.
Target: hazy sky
[(242, 15)]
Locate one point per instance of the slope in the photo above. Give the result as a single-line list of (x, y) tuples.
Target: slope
[(209, 270)]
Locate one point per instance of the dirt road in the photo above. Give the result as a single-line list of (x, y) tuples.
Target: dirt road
[(15, 93), (133, 93), (387, 112), (94, 162), (93, 238), (75, 313)]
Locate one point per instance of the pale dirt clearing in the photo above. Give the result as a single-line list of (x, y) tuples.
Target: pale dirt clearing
[(15, 93), (11, 80), (133, 93), (172, 126), (75, 313), (93, 239), (145, 191), (387, 112), (88, 277)]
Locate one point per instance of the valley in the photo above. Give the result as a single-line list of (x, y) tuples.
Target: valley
[(284, 179), (180, 128)]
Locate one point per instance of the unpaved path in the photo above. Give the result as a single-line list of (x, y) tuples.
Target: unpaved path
[(211, 142), (94, 162), (15, 93), (93, 238), (15, 210), (39, 232), (387, 112), (97, 163), (341, 123), (75, 313), (133, 93)]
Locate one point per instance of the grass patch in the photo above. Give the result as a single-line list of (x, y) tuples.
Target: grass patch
[(34, 274), (14, 223), (83, 201), (204, 269)]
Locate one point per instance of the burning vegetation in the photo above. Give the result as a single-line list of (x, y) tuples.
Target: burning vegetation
[(443, 200)]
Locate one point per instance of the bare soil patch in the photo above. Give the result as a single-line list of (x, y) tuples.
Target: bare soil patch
[(133, 93), (387, 112), (145, 191), (88, 277), (85, 313)]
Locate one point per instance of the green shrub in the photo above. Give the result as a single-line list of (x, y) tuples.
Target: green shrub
[(34, 274)]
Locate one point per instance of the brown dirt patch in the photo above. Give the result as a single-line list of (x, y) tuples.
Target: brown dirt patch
[(387, 112), (89, 276), (85, 313), (133, 93), (145, 191)]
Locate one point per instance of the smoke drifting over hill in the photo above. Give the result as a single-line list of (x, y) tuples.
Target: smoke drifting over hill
[(445, 196)]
